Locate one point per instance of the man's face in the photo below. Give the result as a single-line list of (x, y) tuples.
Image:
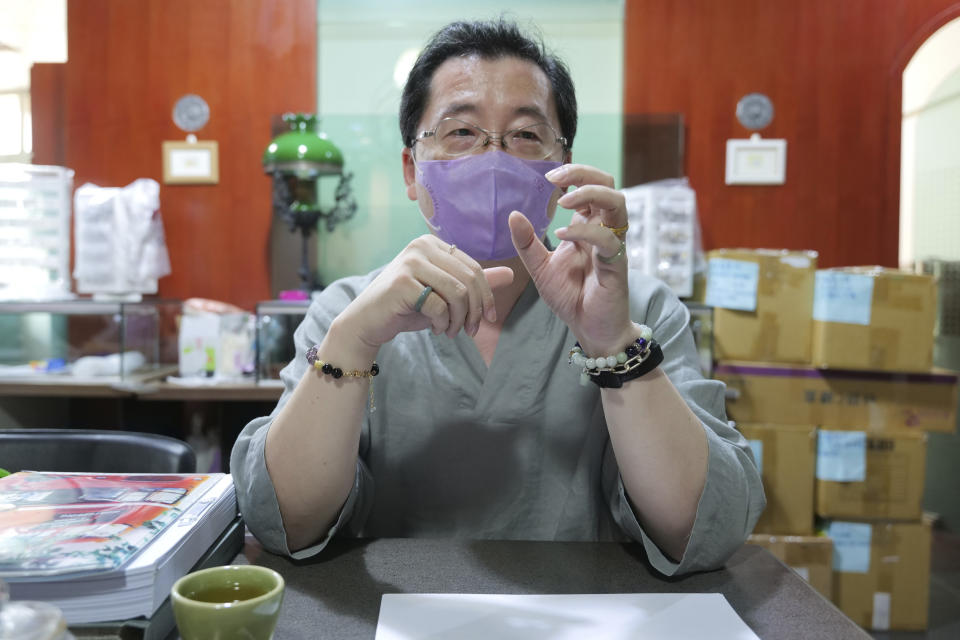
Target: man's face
[(496, 95)]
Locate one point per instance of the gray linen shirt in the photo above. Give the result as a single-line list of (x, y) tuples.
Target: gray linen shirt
[(517, 451)]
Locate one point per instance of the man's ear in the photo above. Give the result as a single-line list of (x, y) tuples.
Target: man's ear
[(409, 172)]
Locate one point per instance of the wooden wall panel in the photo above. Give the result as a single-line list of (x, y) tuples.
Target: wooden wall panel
[(46, 97), (833, 71), (128, 63)]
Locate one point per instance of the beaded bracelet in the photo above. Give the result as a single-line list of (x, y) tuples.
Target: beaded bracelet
[(639, 357), (337, 372)]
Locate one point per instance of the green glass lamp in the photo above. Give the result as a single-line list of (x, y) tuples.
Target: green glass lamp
[(296, 160)]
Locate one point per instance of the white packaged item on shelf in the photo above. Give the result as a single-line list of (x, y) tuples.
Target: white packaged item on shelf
[(115, 364), (664, 235), (120, 246), (34, 232), (216, 342), (235, 348), (198, 338)]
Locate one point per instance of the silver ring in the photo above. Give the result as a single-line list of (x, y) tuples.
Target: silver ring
[(453, 248), (423, 298), (622, 251)]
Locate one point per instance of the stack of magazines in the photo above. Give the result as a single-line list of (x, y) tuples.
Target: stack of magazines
[(106, 547)]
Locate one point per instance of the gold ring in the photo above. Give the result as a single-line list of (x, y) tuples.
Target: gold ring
[(423, 298), (453, 248), (622, 251), (620, 232)]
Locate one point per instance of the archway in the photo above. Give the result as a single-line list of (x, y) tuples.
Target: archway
[(929, 205), (930, 135)]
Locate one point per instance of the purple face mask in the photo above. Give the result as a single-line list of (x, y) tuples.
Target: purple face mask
[(473, 197)]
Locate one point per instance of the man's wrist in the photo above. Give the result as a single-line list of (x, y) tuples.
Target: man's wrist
[(613, 370), (343, 345), (596, 348)]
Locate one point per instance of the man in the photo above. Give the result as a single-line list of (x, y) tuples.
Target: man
[(476, 426)]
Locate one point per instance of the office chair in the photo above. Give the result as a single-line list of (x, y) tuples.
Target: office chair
[(93, 451)]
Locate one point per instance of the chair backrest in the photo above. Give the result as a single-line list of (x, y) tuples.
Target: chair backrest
[(94, 451)]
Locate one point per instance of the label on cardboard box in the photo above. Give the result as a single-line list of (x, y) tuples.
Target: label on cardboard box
[(757, 447), (881, 611), (851, 546), (842, 297), (842, 456), (732, 284)]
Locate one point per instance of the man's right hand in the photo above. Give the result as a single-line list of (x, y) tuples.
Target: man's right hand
[(462, 294)]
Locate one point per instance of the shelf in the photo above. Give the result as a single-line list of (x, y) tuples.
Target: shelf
[(62, 388), (232, 392), (148, 386)]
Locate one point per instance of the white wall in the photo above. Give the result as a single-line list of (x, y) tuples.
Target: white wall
[(930, 137)]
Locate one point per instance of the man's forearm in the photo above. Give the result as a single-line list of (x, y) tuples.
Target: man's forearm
[(311, 448), (662, 452)]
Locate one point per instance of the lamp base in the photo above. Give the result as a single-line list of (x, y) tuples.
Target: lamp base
[(284, 266)]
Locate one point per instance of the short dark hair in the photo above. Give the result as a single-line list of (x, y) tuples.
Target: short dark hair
[(490, 40)]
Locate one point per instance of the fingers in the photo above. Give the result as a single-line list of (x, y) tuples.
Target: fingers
[(609, 248), (444, 307), (457, 302), (594, 196), (433, 307), (578, 175), (462, 291), (469, 271), (529, 247), (498, 277)]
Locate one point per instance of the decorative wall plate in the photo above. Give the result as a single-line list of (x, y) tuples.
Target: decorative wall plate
[(755, 111), (191, 113)]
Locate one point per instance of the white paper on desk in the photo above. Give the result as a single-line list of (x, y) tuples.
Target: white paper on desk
[(612, 616)]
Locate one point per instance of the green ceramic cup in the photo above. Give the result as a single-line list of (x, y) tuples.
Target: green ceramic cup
[(235, 601)]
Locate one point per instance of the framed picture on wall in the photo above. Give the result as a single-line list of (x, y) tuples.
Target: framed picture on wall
[(191, 162), (756, 161)]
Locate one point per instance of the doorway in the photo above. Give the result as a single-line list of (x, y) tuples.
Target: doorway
[(930, 224)]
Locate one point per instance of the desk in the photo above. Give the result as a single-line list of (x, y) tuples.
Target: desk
[(337, 594), (152, 389)]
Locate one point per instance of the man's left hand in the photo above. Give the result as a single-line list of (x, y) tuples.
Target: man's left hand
[(590, 295)]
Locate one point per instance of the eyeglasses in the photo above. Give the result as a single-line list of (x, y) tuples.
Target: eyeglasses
[(453, 138)]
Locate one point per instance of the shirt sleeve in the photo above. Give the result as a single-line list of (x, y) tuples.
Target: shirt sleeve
[(255, 491), (732, 498)]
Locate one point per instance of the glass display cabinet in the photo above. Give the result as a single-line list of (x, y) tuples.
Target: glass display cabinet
[(276, 322), (87, 341)]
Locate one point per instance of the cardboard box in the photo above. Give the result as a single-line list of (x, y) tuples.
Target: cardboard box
[(874, 401), (779, 326), (810, 556), (873, 318), (786, 456), (881, 575), (863, 476)]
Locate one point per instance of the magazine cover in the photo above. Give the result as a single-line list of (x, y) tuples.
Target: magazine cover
[(56, 523)]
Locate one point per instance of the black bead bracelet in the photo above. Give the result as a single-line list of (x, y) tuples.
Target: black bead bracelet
[(337, 372)]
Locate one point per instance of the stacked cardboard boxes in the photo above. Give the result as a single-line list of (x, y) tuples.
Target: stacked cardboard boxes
[(881, 573), (809, 556), (762, 300), (871, 318), (837, 418), (785, 455)]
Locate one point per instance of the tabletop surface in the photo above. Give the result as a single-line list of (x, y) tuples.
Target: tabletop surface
[(337, 593)]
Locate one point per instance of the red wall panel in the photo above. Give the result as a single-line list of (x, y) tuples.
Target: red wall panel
[(831, 68), (833, 71), (128, 63)]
